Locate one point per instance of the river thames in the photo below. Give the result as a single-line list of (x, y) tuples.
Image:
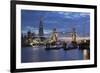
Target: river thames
[(40, 54)]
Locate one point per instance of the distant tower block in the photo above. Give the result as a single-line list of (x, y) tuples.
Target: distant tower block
[(74, 35), (41, 33)]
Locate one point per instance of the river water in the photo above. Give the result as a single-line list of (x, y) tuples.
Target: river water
[(39, 54)]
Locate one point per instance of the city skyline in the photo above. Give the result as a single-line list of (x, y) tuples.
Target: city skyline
[(62, 21)]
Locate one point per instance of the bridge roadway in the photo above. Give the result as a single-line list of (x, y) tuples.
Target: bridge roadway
[(69, 39)]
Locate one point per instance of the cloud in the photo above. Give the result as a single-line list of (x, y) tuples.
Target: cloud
[(35, 30), (73, 15), (46, 31), (30, 28), (50, 21), (84, 14)]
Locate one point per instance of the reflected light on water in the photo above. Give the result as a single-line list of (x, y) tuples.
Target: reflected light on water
[(86, 54), (39, 54)]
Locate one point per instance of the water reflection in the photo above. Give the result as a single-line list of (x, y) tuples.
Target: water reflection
[(39, 54), (86, 54)]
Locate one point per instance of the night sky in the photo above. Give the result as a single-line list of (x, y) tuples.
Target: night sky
[(62, 21)]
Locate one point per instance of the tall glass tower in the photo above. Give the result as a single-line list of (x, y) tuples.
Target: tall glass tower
[(41, 32)]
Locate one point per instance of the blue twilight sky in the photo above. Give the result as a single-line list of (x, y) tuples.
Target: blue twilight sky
[(62, 21)]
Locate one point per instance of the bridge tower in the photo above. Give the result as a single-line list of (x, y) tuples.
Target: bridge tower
[(54, 36), (74, 35)]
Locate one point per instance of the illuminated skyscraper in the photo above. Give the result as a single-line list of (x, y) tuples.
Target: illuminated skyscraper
[(41, 33)]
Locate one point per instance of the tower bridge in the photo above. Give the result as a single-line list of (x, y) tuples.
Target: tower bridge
[(55, 35)]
